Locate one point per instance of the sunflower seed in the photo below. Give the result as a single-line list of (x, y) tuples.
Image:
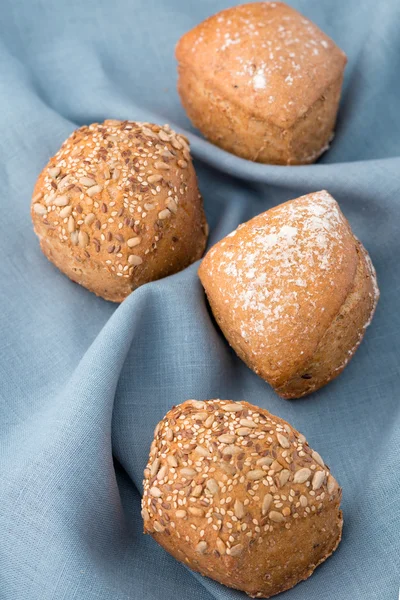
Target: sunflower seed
[(132, 242), (161, 165), (275, 516), (202, 451), (301, 475), (182, 163), (163, 136), (231, 450), (61, 201), (236, 550), (226, 438), (239, 509), (158, 527), (87, 181), (180, 514), (232, 407), (95, 189), (201, 547), (154, 467), (154, 178), (145, 514), (164, 214), (209, 421), (135, 260), (155, 492), (65, 212), (318, 479), (162, 473), (318, 459), (171, 460), (71, 224), (255, 474), (331, 484), (243, 431), (196, 512), (248, 423), (276, 466), (54, 172), (172, 206), (303, 501), (228, 468), (284, 477), (90, 218), (74, 238), (196, 492), (83, 239), (266, 503), (220, 546), (283, 441), (212, 486), (39, 209), (187, 472), (265, 460), (201, 416)]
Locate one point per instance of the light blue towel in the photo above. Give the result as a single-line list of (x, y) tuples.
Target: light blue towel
[(83, 380)]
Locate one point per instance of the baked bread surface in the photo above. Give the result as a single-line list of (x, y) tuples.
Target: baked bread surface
[(119, 206), (293, 291), (238, 495), (262, 81)]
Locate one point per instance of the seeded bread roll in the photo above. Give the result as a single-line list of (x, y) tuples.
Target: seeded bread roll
[(293, 291), (238, 495), (263, 82), (119, 206)]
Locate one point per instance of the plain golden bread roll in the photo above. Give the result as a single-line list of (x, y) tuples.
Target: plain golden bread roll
[(263, 82), (293, 291), (119, 206), (238, 495)]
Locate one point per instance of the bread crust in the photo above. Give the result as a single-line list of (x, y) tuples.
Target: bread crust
[(119, 206), (293, 291), (263, 82), (237, 494)]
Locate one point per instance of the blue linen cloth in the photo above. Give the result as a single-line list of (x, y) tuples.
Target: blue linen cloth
[(83, 382)]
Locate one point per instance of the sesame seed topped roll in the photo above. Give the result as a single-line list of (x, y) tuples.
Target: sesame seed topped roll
[(238, 495), (119, 206)]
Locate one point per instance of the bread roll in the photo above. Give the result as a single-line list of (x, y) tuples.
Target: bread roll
[(293, 291), (238, 495), (119, 206), (263, 82)]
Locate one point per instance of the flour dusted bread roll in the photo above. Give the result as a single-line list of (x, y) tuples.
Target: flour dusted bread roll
[(263, 82), (238, 495), (119, 206), (293, 291)]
